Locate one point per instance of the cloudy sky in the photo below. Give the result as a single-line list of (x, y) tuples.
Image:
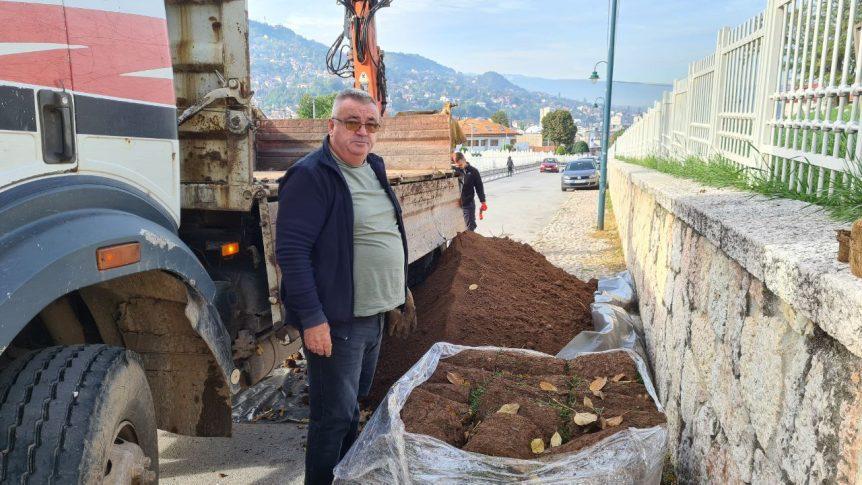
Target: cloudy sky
[(547, 38)]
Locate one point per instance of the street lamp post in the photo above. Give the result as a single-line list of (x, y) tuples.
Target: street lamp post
[(603, 173)]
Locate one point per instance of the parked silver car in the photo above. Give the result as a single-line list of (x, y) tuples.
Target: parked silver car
[(580, 173)]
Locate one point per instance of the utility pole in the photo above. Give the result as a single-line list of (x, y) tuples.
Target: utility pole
[(603, 175)]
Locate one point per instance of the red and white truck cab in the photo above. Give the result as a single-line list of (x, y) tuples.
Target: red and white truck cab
[(111, 324)]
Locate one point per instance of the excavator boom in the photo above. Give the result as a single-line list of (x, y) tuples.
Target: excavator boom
[(362, 59)]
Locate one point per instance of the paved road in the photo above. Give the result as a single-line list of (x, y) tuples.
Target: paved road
[(521, 206), (259, 453), (267, 453)]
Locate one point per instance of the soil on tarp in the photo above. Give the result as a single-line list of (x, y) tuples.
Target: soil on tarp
[(518, 300), (498, 402)]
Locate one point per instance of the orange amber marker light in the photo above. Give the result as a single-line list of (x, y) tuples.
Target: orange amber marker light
[(116, 256), (229, 249)]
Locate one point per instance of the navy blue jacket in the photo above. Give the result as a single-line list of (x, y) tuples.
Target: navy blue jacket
[(314, 239), (471, 181)]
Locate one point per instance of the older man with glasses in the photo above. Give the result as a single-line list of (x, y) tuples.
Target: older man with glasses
[(342, 250)]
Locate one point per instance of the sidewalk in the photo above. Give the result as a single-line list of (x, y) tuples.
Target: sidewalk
[(572, 242)]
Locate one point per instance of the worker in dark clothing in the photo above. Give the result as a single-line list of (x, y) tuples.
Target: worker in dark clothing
[(471, 185), (510, 166)]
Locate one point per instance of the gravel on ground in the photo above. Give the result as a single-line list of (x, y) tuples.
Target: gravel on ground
[(572, 242)]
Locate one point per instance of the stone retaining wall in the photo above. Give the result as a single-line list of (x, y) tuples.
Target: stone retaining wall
[(753, 329)]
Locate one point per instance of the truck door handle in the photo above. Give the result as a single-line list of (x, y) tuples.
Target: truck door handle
[(65, 109), (58, 130)]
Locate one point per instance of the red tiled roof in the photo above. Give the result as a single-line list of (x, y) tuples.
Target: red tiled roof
[(484, 127)]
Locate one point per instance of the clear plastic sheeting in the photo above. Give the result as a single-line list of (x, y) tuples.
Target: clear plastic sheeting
[(615, 327), (386, 453), (618, 290)]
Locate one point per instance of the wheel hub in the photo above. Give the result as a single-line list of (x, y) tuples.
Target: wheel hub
[(127, 464)]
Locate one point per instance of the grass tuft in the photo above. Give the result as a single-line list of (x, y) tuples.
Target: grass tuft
[(843, 203)]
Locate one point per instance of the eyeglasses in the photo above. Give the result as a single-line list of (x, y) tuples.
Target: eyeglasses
[(354, 126)]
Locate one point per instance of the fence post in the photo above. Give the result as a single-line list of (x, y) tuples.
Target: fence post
[(718, 92), (768, 76)]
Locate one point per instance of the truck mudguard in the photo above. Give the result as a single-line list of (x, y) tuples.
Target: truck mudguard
[(50, 230)]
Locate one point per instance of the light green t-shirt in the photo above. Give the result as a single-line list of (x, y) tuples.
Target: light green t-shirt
[(378, 254)]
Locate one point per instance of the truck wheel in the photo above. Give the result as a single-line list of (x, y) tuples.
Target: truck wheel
[(78, 414)]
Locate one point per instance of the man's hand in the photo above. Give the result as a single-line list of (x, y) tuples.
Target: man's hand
[(484, 207), (317, 340), (402, 323)]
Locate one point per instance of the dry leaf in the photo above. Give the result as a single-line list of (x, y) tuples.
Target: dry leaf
[(455, 379), (614, 421), (547, 386), (583, 419), (598, 384), (556, 440), (618, 377), (511, 408), (537, 445), (473, 287), (588, 402), (599, 394)]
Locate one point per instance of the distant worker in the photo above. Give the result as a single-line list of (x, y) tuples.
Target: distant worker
[(337, 216), (510, 165), (471, 185)]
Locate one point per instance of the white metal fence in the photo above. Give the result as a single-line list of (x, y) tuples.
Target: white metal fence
[(780, 93)]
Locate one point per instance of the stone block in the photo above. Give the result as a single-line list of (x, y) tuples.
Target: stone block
[(766, 344), (692, 394), (728, 401), (704, 343), (764, 471), (676, 247)]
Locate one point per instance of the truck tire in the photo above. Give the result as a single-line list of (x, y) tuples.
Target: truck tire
[(77, 414)]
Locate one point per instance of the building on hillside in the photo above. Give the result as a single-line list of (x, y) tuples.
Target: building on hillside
[(616, 121), (484, 134), (281, 113), (543, 112)]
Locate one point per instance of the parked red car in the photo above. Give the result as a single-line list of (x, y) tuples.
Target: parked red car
[(550, 165)]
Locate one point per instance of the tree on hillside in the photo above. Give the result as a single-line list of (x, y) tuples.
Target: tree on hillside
[(615, 135), (500, 118), (581, 147), (559, 128), (321, 106)]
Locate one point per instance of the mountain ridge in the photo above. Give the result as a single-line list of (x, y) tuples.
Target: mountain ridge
[(286, 66)]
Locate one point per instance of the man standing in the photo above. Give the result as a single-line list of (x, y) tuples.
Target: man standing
[(342, 250), (471, 185), (510, 165)]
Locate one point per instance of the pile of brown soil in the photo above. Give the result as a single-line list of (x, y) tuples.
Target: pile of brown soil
[(518, 300), (499, 403)]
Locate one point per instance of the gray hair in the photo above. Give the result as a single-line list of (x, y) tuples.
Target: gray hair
[(354, 94)]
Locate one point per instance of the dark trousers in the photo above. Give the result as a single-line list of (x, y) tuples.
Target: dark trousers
[(335, 384), (469, 215)]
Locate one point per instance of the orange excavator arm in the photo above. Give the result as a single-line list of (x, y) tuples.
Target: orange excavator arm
[(361, 59)]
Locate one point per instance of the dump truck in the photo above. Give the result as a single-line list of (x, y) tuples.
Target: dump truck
[(138, 282)]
